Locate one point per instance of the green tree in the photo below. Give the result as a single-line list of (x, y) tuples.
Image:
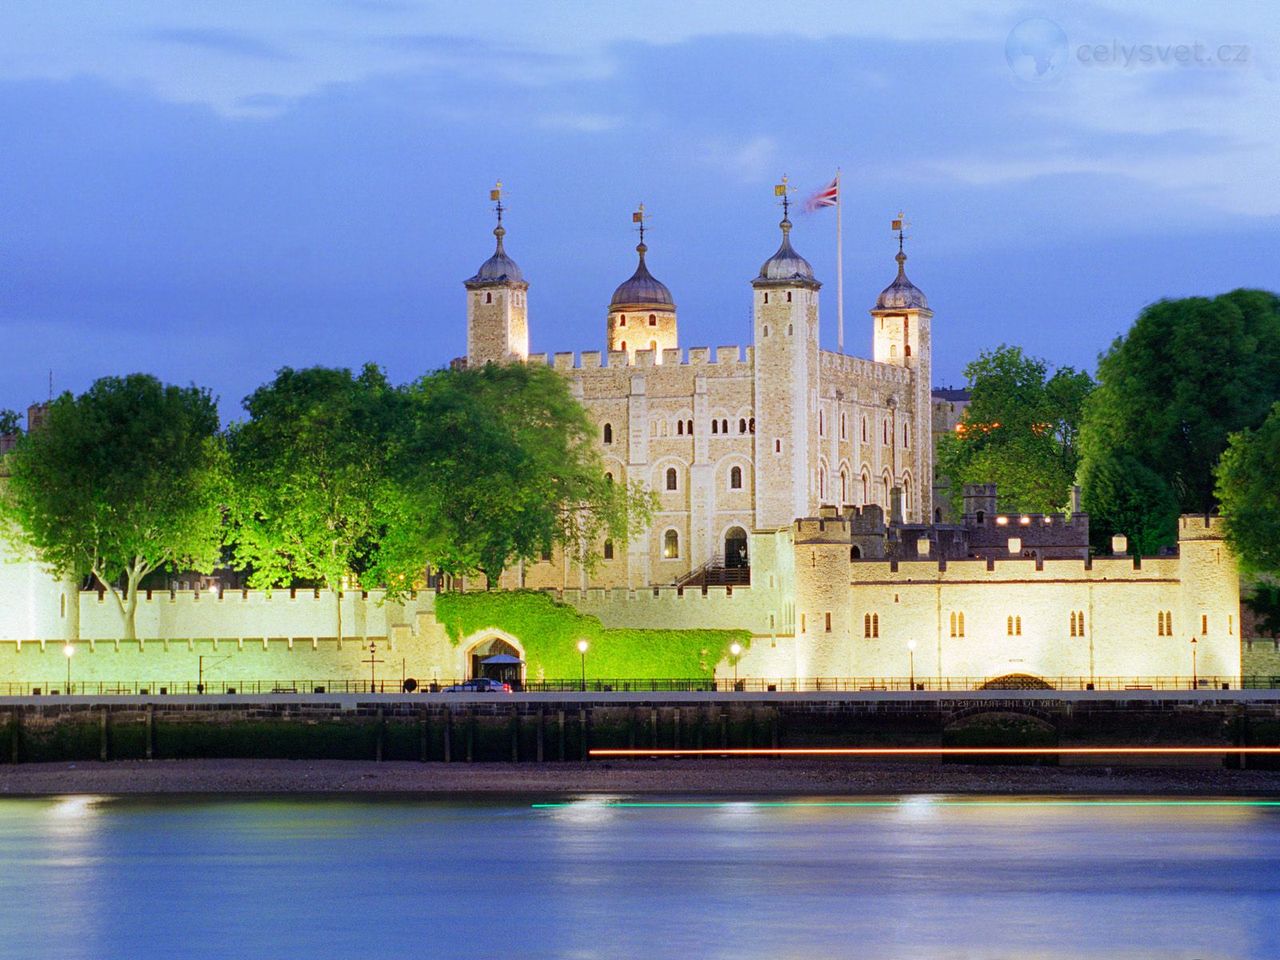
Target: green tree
[(1187, 375), (1248, 490), (501, 467), (10, 423), (1121, 495), (123, 480), (312, 486), (1019, 431)]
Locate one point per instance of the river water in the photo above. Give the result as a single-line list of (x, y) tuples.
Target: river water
[(929, 877)]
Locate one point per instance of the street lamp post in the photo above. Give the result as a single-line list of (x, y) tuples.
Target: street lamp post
[(736, 649), (373, 662), (1195, 679), (911, 659), (582, 653), (69, 651)]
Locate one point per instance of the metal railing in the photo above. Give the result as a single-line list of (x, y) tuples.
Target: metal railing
[(759, 685)]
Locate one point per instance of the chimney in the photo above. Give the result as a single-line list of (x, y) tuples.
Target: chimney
[(1119, 544)]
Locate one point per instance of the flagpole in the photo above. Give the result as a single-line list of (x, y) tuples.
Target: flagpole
[(839, 268)]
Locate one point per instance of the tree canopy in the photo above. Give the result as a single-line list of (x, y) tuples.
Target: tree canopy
[(121, 481), (500, 466), (311, 491), (10, 422), (1019, 431), (1248, 490), (1187, 375)]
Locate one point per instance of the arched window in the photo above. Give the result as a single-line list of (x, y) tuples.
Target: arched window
[(751, 424), (822, 483), (766, 329), (953, 623), (608, 476), (623, 345), (844, 488), (906, 493), (680, 428), (670, 545), (766, 300), (488, 298), (724, 426), (864, 429), (906, 435), (961, 623), (622, 320), (866, 484), (842, 427), (855, 552), (884, 482), (715, 425), (671, 478), (735, 478), (608, 549), (791, 329), (937, 514), (822, 424), (875, 625), (886, 432), (608, 433), (1009, 626), (653, 320), (742, 424), (980, 516), (788, 296), (866, 622)]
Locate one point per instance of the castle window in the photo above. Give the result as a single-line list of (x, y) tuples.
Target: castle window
[(1231, 625), (777, 446), (906, 351), (893, 349), (670, 545), (875, 625), (653, 320), (622, 320), (906, 493), (688, 427), (608, 477), (608, 549), (906, 435), (791, 329), (608, 433), (981, 517), (788, 296), (751, 425), (546, 554), (742, 424), (866, 483), (766, 300), (866, 625), (855, 552), (671, 478), (803, 623), (1204, 624), (828, 622), (886, 432), (864, 429), (488, 298), (822, 483), (735, 478), (953, 623), (844, 488), (766, 329), (842, 427), (1014, 626), (724, 426), (715, 425), (624, 345), (680, 428), (822, 424)]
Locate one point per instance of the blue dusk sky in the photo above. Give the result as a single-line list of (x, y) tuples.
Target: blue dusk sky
[(209, 191)]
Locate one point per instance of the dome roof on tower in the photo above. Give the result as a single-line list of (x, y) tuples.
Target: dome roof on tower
[(499, 268), (786, 266), (902, 294), (642, 287)]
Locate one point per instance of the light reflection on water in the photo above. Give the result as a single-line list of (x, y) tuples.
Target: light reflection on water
[(921, 877)]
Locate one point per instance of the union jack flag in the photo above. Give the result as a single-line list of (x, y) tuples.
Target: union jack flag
[(828, 196)]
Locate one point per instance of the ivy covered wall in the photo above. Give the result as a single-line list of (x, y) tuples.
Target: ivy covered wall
[(550, 631)]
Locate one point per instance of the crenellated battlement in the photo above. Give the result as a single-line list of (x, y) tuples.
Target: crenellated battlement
[(1198, 526), (737, 357), (841, 364)]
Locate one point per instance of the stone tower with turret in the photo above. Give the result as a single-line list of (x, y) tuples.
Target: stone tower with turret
[(642, 313), (785, 313), (901, 320), (497, 307)]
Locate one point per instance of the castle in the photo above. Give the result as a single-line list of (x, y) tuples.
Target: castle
[(795, 502), (734, 440)]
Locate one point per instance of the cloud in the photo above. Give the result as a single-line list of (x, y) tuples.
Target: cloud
[(229, 42)]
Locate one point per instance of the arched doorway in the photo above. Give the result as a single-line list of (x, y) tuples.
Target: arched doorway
[(735, 549), (495, 658), (1016, 681)]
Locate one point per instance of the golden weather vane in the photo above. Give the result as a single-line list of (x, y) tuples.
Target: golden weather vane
[(638, 217), (781, 190)]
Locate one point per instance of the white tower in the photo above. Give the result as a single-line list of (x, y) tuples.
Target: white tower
[(497, 311)]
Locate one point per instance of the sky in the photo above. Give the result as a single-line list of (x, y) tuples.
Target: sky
[(209, 192)]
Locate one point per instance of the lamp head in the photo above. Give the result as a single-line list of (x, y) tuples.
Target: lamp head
[(69, 650), (911, 645), (582, 646), (735, 648)]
